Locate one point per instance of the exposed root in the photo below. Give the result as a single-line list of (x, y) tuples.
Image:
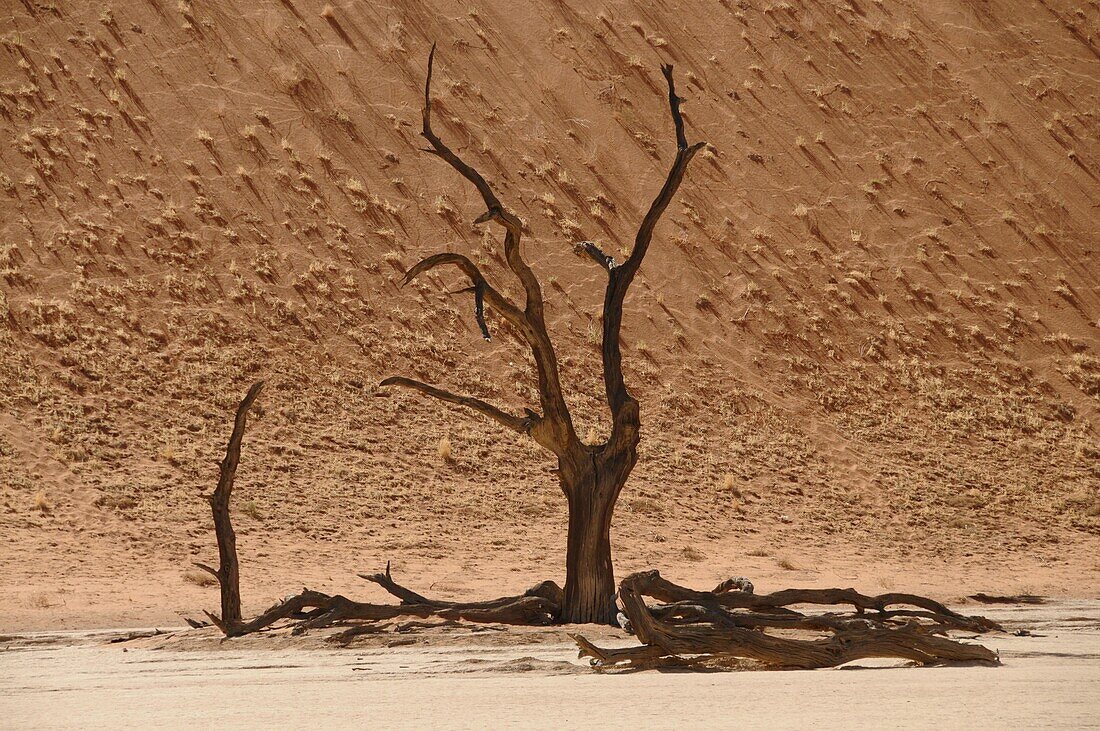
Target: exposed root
[(697, 625), (661, 589), (314, 610)]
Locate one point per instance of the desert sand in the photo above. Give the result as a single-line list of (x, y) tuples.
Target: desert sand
[(477, 680)]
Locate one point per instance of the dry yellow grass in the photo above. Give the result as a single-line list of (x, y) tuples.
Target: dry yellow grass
[(443, 450), (199, 578)]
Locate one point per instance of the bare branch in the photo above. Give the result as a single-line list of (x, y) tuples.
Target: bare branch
[(212, 571), (534, 328), (481, 288), (407, 596), (590, 249), (620, 278), (492, 203), (479, 310), (233, 449), (495, 211), (228, 573), (462, 262), (514, 423), (684, 154), (674, 105), (546, 590)]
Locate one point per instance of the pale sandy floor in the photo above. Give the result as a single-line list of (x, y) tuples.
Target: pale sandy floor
[(1049, 680)]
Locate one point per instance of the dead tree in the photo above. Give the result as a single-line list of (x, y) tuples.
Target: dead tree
[(591, 476), (690, 628), (228, 573)]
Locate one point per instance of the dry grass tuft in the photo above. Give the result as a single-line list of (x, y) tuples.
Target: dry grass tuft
[(690, 553), (444, 450), (251, 509), (199, 578)]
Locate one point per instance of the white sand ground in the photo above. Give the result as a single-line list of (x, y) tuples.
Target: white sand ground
[(1051, 679)]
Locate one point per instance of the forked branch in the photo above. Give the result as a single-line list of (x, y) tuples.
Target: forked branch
[(558, 434), (620, 277), (495, 211), (483, 291), (684, 154)]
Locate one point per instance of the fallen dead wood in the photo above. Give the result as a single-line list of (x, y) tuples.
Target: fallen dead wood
[(688, 628), (314, 610), (140, 635), (1012, 599), (699, 624), (309, 609), (663, 590), (549, 592)]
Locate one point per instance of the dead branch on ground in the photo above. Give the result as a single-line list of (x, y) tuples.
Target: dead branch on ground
[(696, 626)]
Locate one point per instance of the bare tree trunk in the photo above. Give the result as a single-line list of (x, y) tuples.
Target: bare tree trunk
[(228, 571), (589, 576), (592, 490)]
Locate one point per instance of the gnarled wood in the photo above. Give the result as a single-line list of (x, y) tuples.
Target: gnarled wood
[(483, 291), (514, 423), (664, 590), (553, 402), (621, 277), (311, 609), (539, 605), (547, 590), (703, 626)]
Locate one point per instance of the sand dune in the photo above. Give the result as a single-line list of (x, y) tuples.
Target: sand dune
[(864, 341)]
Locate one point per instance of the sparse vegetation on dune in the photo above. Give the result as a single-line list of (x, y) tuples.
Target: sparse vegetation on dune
[(876, 306)]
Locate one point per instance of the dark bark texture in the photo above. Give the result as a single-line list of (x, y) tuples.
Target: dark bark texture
[(690, 628), (228, 572)]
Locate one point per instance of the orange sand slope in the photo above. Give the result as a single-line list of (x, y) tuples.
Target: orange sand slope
[(865, 339)]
